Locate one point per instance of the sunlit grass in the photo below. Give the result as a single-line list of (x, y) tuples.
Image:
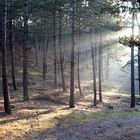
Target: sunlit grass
[(78, 117), (31, 118), (31, 126), (28, 125)]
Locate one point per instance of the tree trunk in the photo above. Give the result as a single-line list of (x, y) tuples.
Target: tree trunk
[(139, 68), (36, 51), (44, 55), (3, 43), (71, 102), (61, 56), (132, 78), (78, 59), (54, 44), (132, 59), (108, 63), (12, 47), (93, 52), (25, 55), (87, 58), (47, 47), (78, 73), (94, 76), (100, 68), (39, 45)]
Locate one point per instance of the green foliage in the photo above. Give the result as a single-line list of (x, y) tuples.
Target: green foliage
[(93, 14)]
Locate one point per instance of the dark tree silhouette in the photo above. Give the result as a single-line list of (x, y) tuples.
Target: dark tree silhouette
[(12, 47), (60, 45), (25, 49), (3, 44), (71, 103)]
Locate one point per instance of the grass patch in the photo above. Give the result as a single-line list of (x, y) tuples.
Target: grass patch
[(77, 117), (28, 122)]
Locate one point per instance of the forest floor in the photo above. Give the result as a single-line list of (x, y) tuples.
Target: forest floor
[(47, 116)]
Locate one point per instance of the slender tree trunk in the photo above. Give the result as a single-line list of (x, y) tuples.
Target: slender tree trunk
[(96, 56), (25, 55), (132, 59), (78, 63), (44, 55), (100, 68), (47, 47), (132, 78), (3, 21), (78, 73), (36, 51), (87, 58), (108, 63), (71, 103), (94, 77), (61, 56), (94, 69), (39, 44), (54, 44), (12, 47), (139, 68)]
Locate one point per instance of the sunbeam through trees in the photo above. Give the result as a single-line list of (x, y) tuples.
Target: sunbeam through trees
[(70, 69)]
